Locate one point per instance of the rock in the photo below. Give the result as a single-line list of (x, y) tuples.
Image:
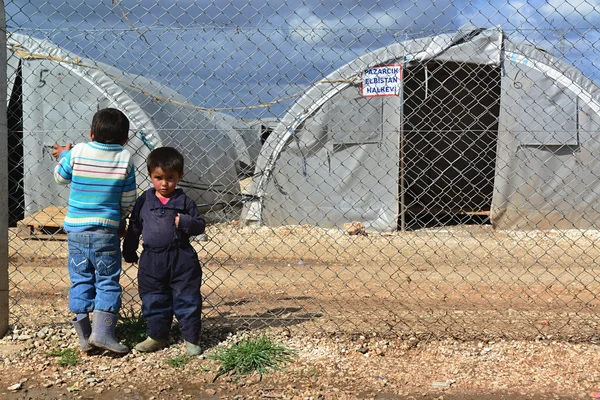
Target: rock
[(355, 228), (15, 387)]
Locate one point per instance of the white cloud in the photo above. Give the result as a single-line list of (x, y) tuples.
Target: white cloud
[(572, 12), (309, 29)]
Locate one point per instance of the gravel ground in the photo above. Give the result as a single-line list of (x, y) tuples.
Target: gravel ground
[(328, 366), (421, 315)]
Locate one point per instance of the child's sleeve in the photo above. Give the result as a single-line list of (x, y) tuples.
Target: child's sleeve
[(129, 192), (192, 222), (63, 171), (134, 230)]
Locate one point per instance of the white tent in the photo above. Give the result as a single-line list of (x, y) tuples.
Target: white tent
[(480, 124), (52, 97)]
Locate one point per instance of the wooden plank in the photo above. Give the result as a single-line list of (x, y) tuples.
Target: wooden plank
[(51, 216), (46, 224)]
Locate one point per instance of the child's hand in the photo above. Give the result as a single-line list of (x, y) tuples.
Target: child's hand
[(177, 220), (59, 149)]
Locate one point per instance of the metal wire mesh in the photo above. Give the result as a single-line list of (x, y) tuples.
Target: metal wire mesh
[(424, 168)]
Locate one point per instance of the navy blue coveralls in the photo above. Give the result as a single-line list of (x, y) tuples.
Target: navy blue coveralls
[(169, 272)]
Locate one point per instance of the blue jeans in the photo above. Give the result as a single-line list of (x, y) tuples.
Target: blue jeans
[(94, 268)]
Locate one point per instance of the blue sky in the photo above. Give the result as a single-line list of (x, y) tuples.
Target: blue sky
[(242, 53)]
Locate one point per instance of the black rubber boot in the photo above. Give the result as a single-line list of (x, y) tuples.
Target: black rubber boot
[(103, 332)]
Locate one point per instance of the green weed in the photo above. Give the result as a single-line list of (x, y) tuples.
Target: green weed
[(250, 355), (131, 328), (68, 357), (179, 361)]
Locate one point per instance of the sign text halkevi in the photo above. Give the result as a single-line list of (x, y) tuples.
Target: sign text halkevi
[(382, 81)]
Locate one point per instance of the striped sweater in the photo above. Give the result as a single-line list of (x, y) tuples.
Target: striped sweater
[(103, 188)]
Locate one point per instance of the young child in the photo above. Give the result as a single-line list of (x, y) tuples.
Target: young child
[(169, 273), (103, 191)]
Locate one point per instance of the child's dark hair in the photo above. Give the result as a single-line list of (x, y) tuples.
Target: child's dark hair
[(110, 126), (165, 158)]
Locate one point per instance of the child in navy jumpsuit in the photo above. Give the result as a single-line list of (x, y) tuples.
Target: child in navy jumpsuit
[(169, 273)]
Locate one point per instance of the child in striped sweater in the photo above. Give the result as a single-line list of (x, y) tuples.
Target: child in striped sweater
[(102, 193)]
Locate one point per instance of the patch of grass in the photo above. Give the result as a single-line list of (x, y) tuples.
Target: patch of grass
[(131, 328), (250, 355), (179, 361), (68, 357)]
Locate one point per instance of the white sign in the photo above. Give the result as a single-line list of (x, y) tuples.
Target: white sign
[(382, 81)]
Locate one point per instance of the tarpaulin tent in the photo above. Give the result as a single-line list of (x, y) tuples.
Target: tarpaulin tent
[(475, 123), (52, 97)]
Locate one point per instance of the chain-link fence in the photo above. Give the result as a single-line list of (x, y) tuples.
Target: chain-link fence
[(408, 168)]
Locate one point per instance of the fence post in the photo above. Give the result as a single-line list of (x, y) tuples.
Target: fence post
[(3, 180)]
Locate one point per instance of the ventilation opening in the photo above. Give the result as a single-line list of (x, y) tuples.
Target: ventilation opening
[(449, 147), (265, 132)]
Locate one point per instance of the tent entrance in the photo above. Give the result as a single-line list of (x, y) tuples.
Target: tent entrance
[(448, 149)]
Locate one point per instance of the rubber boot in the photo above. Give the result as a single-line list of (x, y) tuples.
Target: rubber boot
[(83, 329), (149, 345), (103, 332), (192, 349)]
